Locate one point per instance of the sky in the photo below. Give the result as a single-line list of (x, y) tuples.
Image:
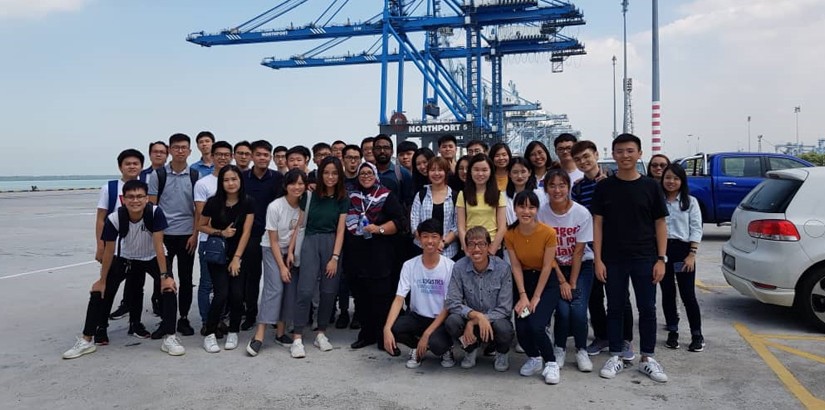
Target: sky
[(81, 80)]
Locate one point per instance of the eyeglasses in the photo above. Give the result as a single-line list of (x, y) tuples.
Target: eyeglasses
[(658, 165), (381, 148), (352, 158), (476, 245), (563, 149), (134, 197), (222, 155), (180, 148)]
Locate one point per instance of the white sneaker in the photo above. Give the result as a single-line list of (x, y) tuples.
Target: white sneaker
[(231, 341), (469, 360), (210, 344), (560, 354), (502, 363), (532, 366), (81, 347), (551, 373), (653, 369), (296, 350), (447, 359), (583, 361), (612, 367), (413, 362), (171, 345), (322, 342)]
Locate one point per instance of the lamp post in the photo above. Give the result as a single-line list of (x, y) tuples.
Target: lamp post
[(614, 97), (625, 125), (689, 136), (749, 133), (796, 111)]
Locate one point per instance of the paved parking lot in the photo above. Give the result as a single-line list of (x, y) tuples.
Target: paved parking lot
[(757, 356)]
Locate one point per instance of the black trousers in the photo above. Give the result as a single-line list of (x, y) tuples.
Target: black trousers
[(374, 299), (408, 329), (176, 248), (598, 313), (226, 289), (251, 271)]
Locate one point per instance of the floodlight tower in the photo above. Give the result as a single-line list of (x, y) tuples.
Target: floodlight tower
[(656, 112), (625, 85)]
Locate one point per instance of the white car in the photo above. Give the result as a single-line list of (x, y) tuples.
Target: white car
[(776, 252)]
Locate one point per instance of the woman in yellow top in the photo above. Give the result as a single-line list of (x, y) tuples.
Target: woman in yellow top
[(501, 155), (481, 203), (532, 249)]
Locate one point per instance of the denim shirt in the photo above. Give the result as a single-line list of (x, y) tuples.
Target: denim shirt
[(489, 292)]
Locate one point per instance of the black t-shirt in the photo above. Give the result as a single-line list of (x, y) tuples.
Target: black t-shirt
[(438, 212), (629, 210), (221, 216)]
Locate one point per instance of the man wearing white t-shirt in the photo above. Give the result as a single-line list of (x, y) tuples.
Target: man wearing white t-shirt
[(426, 278), (205, 188)]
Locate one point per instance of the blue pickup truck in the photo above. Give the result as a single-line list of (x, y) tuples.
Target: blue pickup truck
[(720, 181)]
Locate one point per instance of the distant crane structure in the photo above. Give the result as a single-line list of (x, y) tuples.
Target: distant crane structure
[(493, 29)]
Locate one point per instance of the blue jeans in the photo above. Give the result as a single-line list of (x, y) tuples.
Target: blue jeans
[(204, 287), (640, 273), (571, 316)]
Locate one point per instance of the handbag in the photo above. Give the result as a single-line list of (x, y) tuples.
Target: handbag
[(214, 250), (301, 232)]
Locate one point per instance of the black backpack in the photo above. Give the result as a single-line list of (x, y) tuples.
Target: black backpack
[(193, 177), (123, 222)]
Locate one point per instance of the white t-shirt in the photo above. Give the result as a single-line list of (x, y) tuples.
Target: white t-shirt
[(138, 244), (575, 226), (510, 210), (282, 218), (103, 199), (205, 188), (575, 176), (428, 286)]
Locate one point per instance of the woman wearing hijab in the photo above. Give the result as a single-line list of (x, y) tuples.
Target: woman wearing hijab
[(372, 220)]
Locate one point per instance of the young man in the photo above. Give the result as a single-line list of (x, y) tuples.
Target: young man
[(278, 158), (320, 151), (205, 188), (338, 149), (352, 159), (158, 154), (475, 147), (133, 238), (447, 148), (480, 301), (172, 188), (298, 157), (564, 144), (630, 244), (586, 156), (404, 154), (243, 155), (204, 166), (263, 185), (366, 150), (426, 279), (394, 177)]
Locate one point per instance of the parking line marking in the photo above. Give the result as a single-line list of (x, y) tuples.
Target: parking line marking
[(794, 351), (790, 337), (74, 265), (708, 288), (785, 376)]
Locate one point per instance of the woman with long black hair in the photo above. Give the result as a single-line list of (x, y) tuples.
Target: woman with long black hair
[(420, 161), (539, 158), (228, 214)]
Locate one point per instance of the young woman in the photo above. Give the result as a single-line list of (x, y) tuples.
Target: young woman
[(500, 153), (437, 203), (521, 178), (539, 157), (482, 204), (684, 232), (458, 179), (656, 166), (279, 291), (228, 214), (574, 227), (320, 250), (532, 249), (373, 217), (420, 161)]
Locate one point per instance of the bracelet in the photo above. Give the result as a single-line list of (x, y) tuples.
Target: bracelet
[(693, 251)]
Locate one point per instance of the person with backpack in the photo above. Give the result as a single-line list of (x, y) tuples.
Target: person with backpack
[(133, 245), (177, 181), (436, 201)]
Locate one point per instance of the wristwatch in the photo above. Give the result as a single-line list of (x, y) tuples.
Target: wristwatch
[(662, 258), (166, 275), (381, 230)]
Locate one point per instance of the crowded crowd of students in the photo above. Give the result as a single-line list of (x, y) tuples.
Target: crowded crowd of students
[(480, 253)]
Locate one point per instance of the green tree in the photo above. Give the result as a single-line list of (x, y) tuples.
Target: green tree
[(814, 158)]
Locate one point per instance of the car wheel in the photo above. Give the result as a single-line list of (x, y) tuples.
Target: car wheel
[(811, 298)]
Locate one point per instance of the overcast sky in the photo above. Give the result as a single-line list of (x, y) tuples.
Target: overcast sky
[(80, 80)]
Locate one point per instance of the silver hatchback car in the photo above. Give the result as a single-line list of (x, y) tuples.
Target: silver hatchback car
[(776, 252)]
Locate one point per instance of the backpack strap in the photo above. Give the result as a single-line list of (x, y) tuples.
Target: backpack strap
[(194, 177), (112, 196), (161, 182), (422, 194)]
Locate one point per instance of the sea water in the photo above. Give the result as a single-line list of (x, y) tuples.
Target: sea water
[(52, 182)]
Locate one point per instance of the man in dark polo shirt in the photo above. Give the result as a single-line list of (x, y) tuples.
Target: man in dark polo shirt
[(264, 185)]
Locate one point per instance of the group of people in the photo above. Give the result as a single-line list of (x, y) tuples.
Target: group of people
[(443, 254)]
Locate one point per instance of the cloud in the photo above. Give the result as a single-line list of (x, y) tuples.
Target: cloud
[(22, 9)]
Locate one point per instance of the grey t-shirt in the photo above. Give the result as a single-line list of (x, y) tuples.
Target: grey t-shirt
[(177, 201)]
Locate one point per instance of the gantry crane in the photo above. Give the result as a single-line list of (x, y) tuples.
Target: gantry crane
[(493, 29)]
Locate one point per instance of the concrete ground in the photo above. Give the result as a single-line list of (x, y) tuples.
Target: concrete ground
[(46, 269)]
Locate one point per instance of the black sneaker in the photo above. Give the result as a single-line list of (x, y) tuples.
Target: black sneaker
[(283, 340), (355, 324), (247, 324), (138, 330), (343, 321), (101, 337), (120, 312), (184, 327), (697, 344), (254, 347), (158, 333), (673, 340)]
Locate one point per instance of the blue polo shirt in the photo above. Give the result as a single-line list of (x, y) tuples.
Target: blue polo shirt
[(404, 189), (263, 190), (203, 169)]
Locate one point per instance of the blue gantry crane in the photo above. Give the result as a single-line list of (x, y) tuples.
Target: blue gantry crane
[(492, 30)]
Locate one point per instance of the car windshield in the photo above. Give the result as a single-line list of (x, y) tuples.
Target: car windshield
[(613, 167), (771, 196)]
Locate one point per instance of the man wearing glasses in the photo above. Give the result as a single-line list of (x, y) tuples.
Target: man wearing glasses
[(243, 156), (564, 145), (480, 301)]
